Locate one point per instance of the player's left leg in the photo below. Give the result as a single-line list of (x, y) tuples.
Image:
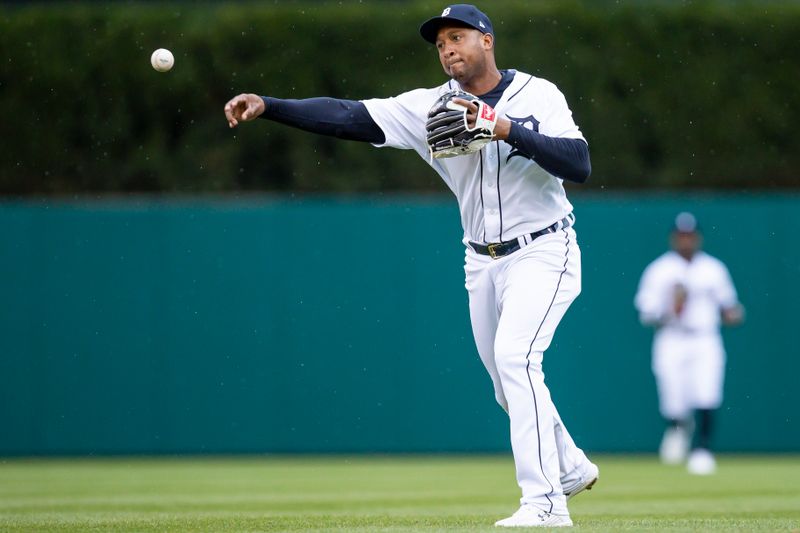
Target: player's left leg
[(577, 472), (707, 380), (535, 288), (707, 373)]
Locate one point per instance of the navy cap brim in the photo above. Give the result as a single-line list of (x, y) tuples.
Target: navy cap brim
[(430, 28)]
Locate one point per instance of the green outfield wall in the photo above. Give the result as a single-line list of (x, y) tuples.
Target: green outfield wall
[(283, 324)]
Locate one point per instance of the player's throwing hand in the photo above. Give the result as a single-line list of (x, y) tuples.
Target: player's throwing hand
[(243, 108)]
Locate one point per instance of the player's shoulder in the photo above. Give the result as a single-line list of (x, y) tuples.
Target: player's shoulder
[(529, 82), (669, 259), (429, 92), (418, 97), (666, 266), (533, 80), (710, 262)]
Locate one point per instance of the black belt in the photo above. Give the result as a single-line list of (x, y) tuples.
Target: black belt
[(500, 249)]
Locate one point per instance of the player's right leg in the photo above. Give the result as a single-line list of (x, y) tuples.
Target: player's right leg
[(706, 373), (672, 383), (484, 315), (707, 377)]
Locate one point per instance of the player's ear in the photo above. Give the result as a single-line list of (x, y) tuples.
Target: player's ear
[(488, 41)]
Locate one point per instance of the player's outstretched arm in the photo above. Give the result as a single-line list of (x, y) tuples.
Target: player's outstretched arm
[(334, 117), (243, 108)]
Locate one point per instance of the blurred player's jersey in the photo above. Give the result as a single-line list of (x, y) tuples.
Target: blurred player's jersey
[(704, 283)]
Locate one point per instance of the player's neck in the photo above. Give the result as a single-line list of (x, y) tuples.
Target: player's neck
[(485, 83)]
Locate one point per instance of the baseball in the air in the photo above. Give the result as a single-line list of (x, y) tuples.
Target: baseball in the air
[(162, 60)]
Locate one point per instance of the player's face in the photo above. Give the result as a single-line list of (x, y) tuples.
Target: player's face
[(462, 52), (686, 244)]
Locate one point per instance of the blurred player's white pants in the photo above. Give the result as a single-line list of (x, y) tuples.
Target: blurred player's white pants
[(689, 370), (516, 303)]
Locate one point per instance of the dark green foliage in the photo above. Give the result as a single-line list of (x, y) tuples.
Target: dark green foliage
[(669, 95)]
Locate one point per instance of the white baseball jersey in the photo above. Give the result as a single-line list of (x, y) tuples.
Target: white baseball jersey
[(518, 300), (708, 285), (501, 194)]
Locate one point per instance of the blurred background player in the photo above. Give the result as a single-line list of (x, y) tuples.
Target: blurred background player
[(687, 294)]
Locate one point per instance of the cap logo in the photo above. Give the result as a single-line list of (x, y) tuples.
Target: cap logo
[(480, 23), (446, 12)]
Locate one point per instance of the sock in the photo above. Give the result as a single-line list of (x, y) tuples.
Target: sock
[(705, 419)]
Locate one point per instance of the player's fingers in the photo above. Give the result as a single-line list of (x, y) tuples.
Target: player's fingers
[(471, 106), (231, 109), (472, 110), (242, 108)]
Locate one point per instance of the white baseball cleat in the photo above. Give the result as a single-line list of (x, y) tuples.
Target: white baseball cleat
[(701, 462), (530, 516), (586, 481), (674, 446)]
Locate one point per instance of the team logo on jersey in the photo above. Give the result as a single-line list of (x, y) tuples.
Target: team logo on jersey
[(529, 123), (446, 12)]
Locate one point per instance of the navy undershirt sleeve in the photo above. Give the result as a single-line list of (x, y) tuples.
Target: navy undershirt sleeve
[(344, 119), (349, 119), (566, 158)]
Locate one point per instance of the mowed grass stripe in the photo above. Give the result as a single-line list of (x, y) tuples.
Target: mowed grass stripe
[(382, 493)]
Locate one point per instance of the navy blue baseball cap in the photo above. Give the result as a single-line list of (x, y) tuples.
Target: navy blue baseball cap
[(460, 14), (685, 222)]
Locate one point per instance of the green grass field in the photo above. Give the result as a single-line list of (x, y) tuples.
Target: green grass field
[(382, 493)]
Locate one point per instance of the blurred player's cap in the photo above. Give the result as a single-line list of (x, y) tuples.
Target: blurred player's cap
[(460, 14), (685, 223)]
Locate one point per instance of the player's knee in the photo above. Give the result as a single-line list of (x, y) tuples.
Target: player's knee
[(510, 356), (506, 349), (505, 355)]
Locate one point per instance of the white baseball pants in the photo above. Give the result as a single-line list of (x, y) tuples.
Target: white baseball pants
[(516, 303), (689, 370)]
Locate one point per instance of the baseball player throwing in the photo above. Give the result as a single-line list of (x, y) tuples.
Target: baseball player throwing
[(502, 141), (686, 294)]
